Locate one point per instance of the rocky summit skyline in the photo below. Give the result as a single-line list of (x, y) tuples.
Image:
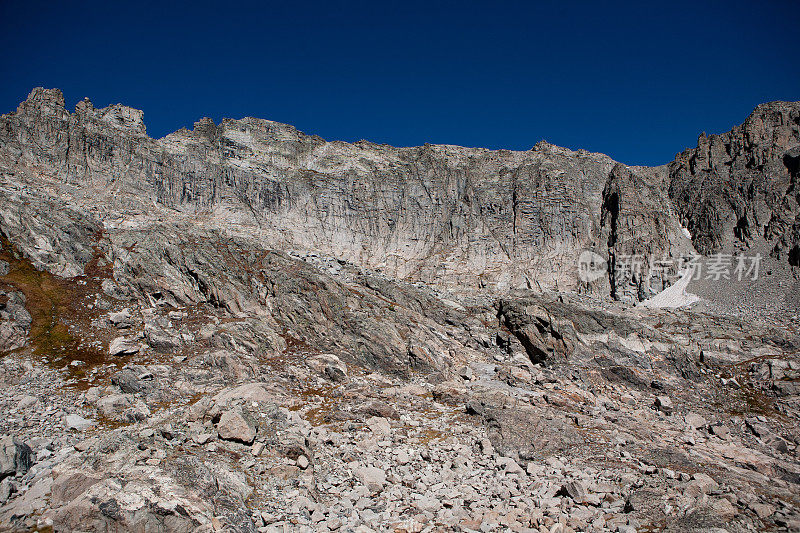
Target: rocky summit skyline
[(241, 327)]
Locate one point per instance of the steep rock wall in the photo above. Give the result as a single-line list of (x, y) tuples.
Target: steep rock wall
[(738, 189), (465, 217)]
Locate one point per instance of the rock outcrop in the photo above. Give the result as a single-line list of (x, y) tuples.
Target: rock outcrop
[(645, 242), (741, 186)]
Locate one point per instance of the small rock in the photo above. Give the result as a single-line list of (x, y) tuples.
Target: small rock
[(329, 366), (85, 444), (427, 504), (700, 484), (77, 422), (5, 490), (121, 319), (763, 510), (113, 405), (402, 457), (372, 478), (721, 431), (202, 438), (161, 339), (123, 346), (236, 425), (757, 427), (27, 401), (693, 420), (723, 508), (664, 404), (575, 490), (379, 425)]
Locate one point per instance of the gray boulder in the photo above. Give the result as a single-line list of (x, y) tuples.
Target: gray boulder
[(15, 457), (237, 424), (122, 346)]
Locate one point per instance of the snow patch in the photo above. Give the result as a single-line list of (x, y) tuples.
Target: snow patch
[(675, 295)]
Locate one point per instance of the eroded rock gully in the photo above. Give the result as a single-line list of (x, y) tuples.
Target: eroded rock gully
[(245, 328)]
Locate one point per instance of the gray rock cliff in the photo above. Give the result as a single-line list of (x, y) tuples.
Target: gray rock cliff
[(456, 216)]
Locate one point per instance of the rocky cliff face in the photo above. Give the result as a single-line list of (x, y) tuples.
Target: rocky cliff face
[(738, 188), (464, 217), (458, 216), (640, 230)]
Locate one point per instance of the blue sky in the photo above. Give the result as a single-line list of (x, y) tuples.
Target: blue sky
[(636, 80)]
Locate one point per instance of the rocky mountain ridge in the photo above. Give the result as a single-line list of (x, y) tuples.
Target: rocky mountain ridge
[(461, 216)]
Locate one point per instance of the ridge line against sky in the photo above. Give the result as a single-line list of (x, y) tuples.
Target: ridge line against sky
[(636, 82)]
